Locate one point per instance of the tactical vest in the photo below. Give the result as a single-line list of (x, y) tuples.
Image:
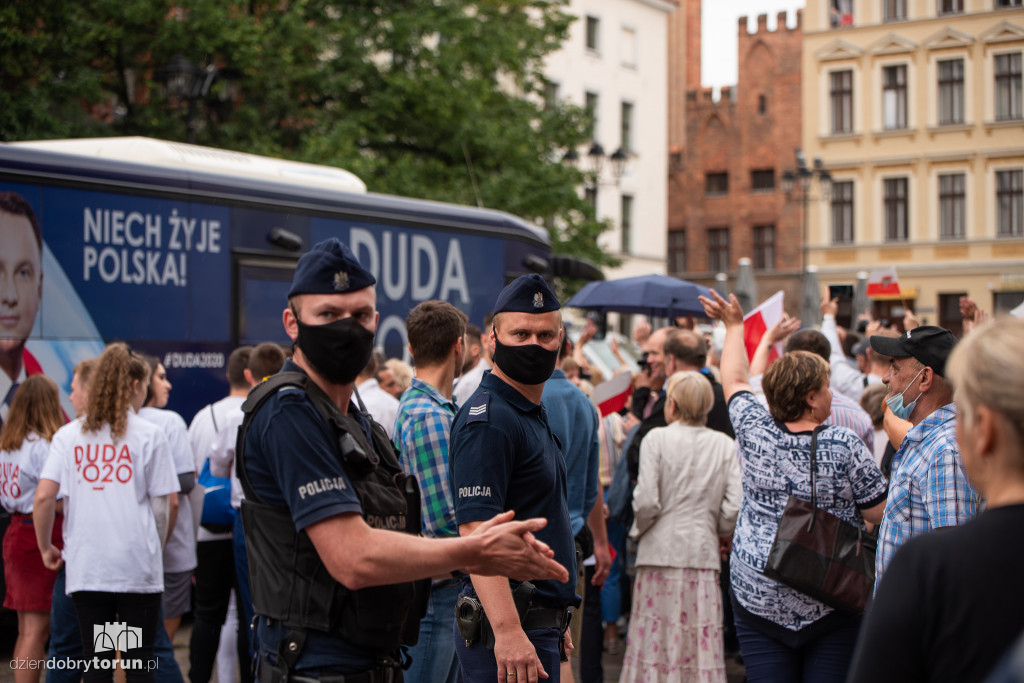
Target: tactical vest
[(289, 581)]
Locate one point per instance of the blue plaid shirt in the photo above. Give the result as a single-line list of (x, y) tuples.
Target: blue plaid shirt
[(928, 489), (422, 427)]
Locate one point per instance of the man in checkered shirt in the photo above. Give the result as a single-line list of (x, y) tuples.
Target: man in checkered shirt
[(928, 489), (436, 332)]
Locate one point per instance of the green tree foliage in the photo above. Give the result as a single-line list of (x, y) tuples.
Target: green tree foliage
[(439, 99)]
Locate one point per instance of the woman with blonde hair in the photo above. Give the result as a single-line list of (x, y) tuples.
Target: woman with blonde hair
[(950, 603), (34, 417), (786, 635), (119, 487), (686, 499)]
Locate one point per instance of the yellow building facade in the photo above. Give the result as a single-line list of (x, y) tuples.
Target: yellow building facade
[(915, 109)]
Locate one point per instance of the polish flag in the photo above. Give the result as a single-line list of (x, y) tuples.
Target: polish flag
[(611, 396), (759, 320), (883, 281)]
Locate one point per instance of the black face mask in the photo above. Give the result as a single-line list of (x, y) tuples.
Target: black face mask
[(528, 364), (338, 350)]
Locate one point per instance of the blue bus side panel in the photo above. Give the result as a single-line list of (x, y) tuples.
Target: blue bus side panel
[(153, 272), (142, 263), (415, 265)]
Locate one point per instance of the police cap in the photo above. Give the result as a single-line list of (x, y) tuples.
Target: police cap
[(526, 294), (330, 267)]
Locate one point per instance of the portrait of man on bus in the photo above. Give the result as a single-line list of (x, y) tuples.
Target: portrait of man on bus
[(21, 289)]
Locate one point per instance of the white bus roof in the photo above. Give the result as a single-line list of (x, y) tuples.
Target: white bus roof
[(140, 150)]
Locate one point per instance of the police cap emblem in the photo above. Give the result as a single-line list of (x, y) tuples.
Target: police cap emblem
[(538, 300), (340, 281)]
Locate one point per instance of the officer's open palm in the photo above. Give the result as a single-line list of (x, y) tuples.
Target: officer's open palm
[(516, 655)]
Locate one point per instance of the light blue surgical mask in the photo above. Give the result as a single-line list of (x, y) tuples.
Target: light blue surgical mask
[(895, 403)]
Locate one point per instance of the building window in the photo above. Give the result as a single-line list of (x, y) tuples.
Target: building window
[(550, 94), (627, 127), (949, 313), (677, 251), (762, 180), (951, 6), (590, 104), (896, 210), (626, 221), (1010, 203), (951, 91), (718, 250), (1004, 302), (894, 10), (590, 197), (840, 13), (764, 247), (593, 33), (952, 202), (627, 45), (841, 91), (716, 184), (1008, 87), (762, 104), (1008, 3), (894, 97), (842, 212)]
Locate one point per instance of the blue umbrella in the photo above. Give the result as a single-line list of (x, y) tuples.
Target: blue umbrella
[(654, 295)]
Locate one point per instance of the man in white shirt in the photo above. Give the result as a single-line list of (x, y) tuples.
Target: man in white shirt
[(215, 575), (380, 405), (474, 366), (847, 379)]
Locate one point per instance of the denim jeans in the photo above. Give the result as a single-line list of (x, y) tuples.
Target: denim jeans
[(433, 656), (245, 611), (478, 665), (825, 659), (167, 670), (65, 639), (611, 591)]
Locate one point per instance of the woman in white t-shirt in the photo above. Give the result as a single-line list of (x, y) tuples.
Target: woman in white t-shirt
[(34, 417), (180, 551), (115, 474)]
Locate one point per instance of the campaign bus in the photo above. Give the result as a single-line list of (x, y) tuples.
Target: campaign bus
[(185, 252)]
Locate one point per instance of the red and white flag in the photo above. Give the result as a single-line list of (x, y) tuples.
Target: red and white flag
[(883, 281), (611, 396), (759, 320)]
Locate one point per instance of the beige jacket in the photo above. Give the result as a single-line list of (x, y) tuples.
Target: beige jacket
[(687, 495)]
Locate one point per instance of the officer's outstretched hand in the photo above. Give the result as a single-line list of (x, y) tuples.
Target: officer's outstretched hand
[(509, 548)]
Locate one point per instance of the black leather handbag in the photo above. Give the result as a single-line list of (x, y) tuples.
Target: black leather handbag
[(821, 555)]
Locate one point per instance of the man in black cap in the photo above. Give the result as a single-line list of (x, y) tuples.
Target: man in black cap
[(333, 578), (503, 456), (928, 489)]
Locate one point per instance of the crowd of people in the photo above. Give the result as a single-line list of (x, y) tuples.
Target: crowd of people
[(317, 472)]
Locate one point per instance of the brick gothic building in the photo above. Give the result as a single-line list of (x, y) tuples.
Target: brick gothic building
[(726, 199)]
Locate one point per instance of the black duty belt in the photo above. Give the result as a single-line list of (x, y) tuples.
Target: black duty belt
[(269, 674), (545, 617)]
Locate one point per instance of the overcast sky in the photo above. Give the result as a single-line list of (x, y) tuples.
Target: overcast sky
[(718, 43)]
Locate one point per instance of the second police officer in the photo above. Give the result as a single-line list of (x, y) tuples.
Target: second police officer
[(503, 456)]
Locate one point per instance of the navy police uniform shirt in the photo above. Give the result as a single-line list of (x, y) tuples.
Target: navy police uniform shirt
[(503, 456), (293, 463)]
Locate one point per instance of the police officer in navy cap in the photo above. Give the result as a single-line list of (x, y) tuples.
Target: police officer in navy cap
[(334, 576), (503, 456)]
